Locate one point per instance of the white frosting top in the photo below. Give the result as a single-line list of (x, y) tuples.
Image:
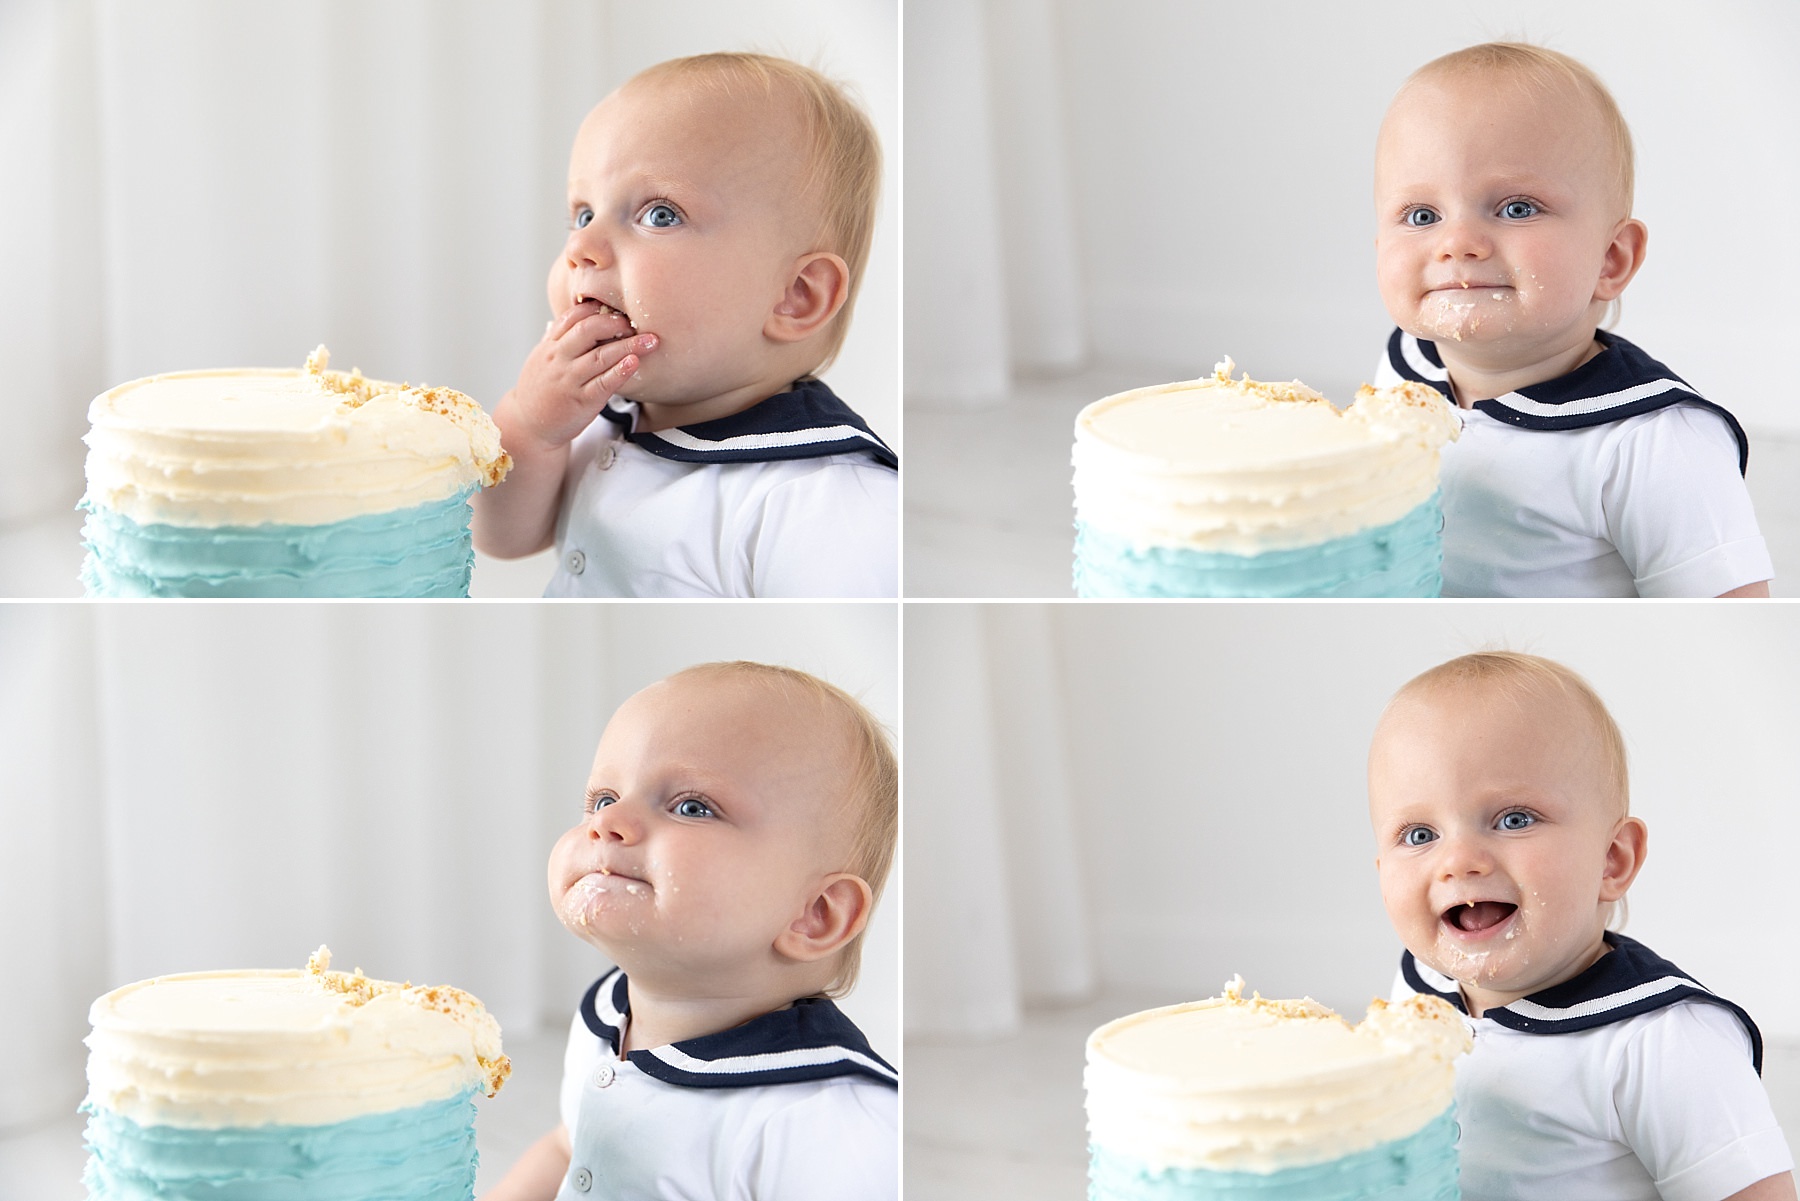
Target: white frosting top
[(1231, 1084), (306, 447), (300, 1048), (1240, 466)]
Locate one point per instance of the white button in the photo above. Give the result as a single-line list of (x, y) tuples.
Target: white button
[(576, 562), (583, 1180), (604, 1076), (607, 454)]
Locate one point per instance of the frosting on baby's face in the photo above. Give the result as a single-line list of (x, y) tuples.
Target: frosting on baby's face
[(1500, 841), (713, 817), (1497, 208)]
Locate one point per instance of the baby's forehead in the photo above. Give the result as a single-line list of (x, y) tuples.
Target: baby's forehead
[(714, 95)]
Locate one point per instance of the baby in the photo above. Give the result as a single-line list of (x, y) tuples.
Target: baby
[(1498, 793), (739, 822), (720, 214), (1503, 190)]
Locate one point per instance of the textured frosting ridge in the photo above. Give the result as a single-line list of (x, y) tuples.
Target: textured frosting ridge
[(1240, 466), (1239, 1084), (1402, 559), (418, 552), (426, 1153), (1420, 1167), (291, 447), (211, 1050)]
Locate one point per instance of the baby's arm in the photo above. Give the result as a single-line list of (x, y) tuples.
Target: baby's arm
[(586, 356), (539, 1172), (1772, 1188)]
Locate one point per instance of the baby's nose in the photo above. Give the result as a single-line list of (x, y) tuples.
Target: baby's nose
[(1462, 240), (587, 248)]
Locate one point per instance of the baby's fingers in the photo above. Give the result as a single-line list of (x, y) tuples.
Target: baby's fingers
[(614, 364), (568, 319)]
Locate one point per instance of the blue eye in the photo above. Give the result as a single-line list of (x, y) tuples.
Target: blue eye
[(660, 216), (1418, 836), (1518, 210), (583, 218), (599, 801), (1420, 217), (1517, 819), (693, 807)]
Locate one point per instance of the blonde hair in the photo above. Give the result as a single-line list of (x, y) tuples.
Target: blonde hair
[(871, 792), (843, 169), (1523, 678), (1541, 69)]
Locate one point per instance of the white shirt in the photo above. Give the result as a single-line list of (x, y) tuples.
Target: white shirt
[(1650, 505), (1665, 1104), (1645, 505), (635, 1137), (633, 523)]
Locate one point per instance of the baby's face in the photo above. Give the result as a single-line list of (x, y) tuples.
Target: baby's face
[(682, 217), (1493, 828), (1495, 209), (709, 824)]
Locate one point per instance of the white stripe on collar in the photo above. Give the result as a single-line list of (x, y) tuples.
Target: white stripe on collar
[(1415, 358), (1606, 1004), (1520, 403), (833, 433), (770, 1061)]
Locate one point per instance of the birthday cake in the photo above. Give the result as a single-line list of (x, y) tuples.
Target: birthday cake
[(1278, 1100), (304, 482), (1223, 487), (286, 1086)]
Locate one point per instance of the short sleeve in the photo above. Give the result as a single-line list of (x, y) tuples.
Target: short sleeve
[(1692, 1108), (1676, 506), (840, 1144), (578, 1064), (829, 533)]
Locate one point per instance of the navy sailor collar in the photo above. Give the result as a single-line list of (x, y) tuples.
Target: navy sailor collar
[(807, 422), (809, 1040), (1621, 381), (1631, 980)]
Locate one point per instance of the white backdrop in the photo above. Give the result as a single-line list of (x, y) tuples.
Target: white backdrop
[(1177, 180), (203, 786), (1191, 793), (203, 183)]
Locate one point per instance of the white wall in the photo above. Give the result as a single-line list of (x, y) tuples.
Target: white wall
[(1218, 756), (1221, 160)]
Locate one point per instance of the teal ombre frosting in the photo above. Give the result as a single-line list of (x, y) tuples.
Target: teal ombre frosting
[(1419, 1167), (1401, 559), (421, 551), (426, 1153)]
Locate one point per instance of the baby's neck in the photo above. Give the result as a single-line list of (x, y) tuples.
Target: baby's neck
[(771, 378), (1476, 380), (659, 1018)]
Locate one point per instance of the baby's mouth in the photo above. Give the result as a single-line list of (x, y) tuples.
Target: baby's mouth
[(1478, 916), (581, 297)]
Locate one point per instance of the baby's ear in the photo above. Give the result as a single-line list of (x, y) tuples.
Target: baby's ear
[(816, 290), (836, 914), (1624, 857)]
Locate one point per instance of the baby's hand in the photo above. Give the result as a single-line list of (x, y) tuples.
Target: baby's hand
[(585, 357)]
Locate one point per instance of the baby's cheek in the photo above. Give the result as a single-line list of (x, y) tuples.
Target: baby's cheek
[(556, 288)]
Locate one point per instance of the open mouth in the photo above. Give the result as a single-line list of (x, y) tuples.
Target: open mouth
[(1478, 916), (581, 297)]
